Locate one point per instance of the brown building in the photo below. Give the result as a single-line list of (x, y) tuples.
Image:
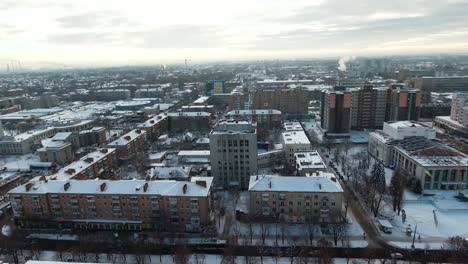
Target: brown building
[(56, 151), (368, 107), (130, 144), (189, 121), (403, 103), (155, 126), (113, 205), (288, 101), (336, 110), (94, 136)]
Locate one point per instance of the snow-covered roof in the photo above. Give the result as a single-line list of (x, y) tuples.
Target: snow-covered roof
[(189, 114), (194, 153), (309, 160), (295, 137), (325, 182), (254, 112), (170, 172), (124, 187), (129, 137), (293, 126)]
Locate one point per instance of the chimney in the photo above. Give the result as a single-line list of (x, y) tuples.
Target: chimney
[(145, 187), (184, 189), (70, 171), (43, 178), (148, 178), (104, 150), (138, 131), (103, 186), (320, 186), (66, 186), (28, 186), (127, 138), (89, 160), (152, 121), (201, 183), (269, 184)]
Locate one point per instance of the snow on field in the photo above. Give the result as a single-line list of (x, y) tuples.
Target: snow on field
[(21, 162)]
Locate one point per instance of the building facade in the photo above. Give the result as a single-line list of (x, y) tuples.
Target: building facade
[(316, 199), (233, 154), (113, 205), (130, 144)]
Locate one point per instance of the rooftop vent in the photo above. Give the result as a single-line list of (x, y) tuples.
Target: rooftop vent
[(70, 171), (66, 186), (103, 186), (184, 189), (145, 187), (28, 186), (127, 138), (104, 150), (89, 160), (201, 183)]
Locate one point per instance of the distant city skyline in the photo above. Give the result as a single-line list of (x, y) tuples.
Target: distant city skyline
[(144, 32)]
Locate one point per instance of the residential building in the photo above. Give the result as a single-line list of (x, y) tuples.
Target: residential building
[(309, 162), (111, 94), (56, 151), (113, 205), (335, 111), (94, 136), (233, 153), (403, 103), (130, 144), (286, 100), (317, 199), (155, 126), (270, 159), (457, 122), (189, 121), (24, 143), (368, 107)]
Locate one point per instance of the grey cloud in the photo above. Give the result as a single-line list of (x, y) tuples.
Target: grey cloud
[(94, 19)]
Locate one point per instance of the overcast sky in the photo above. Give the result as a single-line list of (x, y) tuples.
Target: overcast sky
[(137, 31)]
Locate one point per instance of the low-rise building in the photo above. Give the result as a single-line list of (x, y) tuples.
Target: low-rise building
[(309, 162), (94, 136), (316, 199), (155, 126), (113, 205), (189, 121), (26, 142), (130, 144), (268, 120), (56, 151), (295, 141)]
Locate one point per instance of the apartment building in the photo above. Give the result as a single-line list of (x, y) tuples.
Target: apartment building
[(101, 163), (368, 107), (268, 120), (403, 103), (130, 144), (335, 111), (233, 154), (286, 100), (316, 199), (26, 142), (309, 162), (113, 205), (189, 121), (155, 126), (94, 136), (457, 122)]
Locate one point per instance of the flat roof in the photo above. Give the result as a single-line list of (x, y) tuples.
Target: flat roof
[(189, 114), (309, 160), (295, 137), (194, 153), (123, 187), (292, 126), (254, 112), (269, 183)]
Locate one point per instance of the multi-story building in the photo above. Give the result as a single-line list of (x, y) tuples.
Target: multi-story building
[(381, 141), (457, 122), (94, 136), (268, 120), (434, 164), (403, 103), (130, 144), (199, 108), (368, 107), (316, 199), (440, 84), (189, 121), (113, 205), (111, 94), (336, 111), (155, 126), (294, 140), (56, 151), (233, 153), (26, 142), (288, 101), (309, 162), (101, 163)]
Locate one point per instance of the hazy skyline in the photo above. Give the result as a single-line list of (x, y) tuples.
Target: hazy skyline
[(133, 32)]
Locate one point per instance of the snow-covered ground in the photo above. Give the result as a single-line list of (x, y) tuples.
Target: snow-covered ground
[(18, 162)]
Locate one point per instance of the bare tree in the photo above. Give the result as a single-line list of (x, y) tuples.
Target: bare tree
[(375, 188), (199, 259), (397, 188), (264, 231), (459, 245), (324, 251), (182, 255)]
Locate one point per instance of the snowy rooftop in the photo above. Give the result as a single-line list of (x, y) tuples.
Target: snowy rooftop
[(325, 182), (429, 153), (194, 153), (254, 112), (50, 143), (292, 126), (189, 114), (295, 137), (201, 100), (129, 137), (170, 172), (29, 134), (309, 160), (85, 162), (128, 187), (153, 121)]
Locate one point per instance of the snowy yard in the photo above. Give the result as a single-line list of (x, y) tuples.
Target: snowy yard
[(18, 162)]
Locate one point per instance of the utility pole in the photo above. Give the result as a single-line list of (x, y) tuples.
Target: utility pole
[(414, 235)]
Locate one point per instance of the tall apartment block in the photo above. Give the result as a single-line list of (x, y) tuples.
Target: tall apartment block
[(113, 205), (344, 109), (233, 154), (288, 101), (336, 110), (457, 122)]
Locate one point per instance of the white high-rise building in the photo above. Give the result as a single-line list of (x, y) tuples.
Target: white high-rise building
[(233, 154)]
